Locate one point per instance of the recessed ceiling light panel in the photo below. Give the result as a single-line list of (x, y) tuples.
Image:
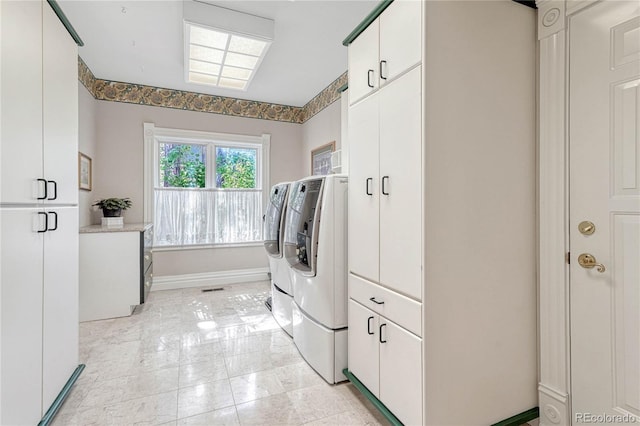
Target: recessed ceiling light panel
[(217, 53)]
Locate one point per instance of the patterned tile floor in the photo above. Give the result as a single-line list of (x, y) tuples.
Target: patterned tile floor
[(194, 358)]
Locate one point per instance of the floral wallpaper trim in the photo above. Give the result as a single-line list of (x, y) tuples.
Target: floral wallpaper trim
[(114, 91), (326, 97)]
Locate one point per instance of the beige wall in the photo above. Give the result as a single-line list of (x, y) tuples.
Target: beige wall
[(319, 130), (87, 145), (118, 172), (480, 204)]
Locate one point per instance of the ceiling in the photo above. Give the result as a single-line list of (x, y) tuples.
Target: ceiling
[(142, 42)]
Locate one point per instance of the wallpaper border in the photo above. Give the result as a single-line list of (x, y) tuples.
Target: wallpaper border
[(114, 91)]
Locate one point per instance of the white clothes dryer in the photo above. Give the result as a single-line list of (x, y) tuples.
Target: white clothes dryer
[(316, 249)]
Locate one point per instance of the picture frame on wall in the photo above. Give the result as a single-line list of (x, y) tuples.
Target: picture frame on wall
[(84, 172), (321, 159)]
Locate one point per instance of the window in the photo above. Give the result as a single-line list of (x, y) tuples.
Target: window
[(204, 188)]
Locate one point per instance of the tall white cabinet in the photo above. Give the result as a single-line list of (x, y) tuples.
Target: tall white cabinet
[(38, 210), (442, 282)]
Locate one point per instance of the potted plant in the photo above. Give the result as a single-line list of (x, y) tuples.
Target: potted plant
[(112, 207)]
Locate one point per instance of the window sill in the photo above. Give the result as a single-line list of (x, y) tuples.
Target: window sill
[(207, 246)]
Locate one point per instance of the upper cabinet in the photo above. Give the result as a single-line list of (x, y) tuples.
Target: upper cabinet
[(21, 100), (39, 114), (388, 47)]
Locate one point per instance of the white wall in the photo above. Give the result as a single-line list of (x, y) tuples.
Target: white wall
[(118, 172), (87, 145), (319, 130)]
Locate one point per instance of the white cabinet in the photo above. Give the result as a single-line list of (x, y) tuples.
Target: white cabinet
[(21, 264), (385, 49), (386, 359), (116, 270), (38, 210), (60, 302), (364, 195), (442, 210), (21, 97), (385, 202), (59, 110)]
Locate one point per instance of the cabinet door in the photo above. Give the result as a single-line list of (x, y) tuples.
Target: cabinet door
[(401, 372), (363, 189), (21, 315), (363, 346), (401, 180), (400, 38), (60, 306), (21, 100), (363, 63), (60, 109)]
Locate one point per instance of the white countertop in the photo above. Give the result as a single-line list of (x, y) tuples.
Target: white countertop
[(127, 227)]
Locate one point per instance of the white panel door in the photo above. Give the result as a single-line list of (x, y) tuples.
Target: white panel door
[(21, 97), (60, 329), (21, 321), (400, 38), (400, 372), (605, 190), (364, 361), (363, 63), (401, 185), (364, 193), (60, 109)]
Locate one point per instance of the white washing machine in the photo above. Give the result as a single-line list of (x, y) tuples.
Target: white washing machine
[(281, 289), (316, 249)]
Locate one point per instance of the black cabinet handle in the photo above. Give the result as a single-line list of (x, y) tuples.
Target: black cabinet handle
[(369, 78), (380, 337), (46, 223), (384, 178), (381, 76), (55, 189), (369, 180), (369, 332), (44, 197), (55, 227), (373, 299)]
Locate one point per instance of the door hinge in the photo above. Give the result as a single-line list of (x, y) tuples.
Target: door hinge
[(568, 258)]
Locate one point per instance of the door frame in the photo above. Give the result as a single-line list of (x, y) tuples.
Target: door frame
[(554, 387)]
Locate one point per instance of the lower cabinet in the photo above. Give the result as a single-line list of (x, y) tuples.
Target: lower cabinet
[(116, 270), (384, 357), (38, 309)]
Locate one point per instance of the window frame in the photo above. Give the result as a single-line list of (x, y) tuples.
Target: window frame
[(153, 136)]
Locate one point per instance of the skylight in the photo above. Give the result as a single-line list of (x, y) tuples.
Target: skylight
[(220, 58)]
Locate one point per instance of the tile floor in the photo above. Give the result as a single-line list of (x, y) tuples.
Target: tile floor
[(194, 358)]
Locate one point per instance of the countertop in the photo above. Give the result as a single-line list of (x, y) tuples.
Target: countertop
[(127, 227)]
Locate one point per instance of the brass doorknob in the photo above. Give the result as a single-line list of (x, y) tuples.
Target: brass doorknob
[(588, 261)]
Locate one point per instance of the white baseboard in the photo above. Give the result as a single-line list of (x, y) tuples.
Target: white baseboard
[(207, 279)]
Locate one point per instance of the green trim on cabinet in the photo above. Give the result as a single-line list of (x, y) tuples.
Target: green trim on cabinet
[(343, 88), (63, 18), (366, 22), (521, 418), (371, 397), (62, 396)]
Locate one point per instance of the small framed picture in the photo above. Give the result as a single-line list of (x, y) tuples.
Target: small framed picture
[(321, 159), (84, 171)]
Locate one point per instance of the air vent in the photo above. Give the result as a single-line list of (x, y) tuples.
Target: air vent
[(207, 290)]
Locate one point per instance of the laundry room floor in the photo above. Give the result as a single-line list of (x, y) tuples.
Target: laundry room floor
[(203, 358)]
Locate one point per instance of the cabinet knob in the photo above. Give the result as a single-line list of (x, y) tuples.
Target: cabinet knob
[(380, 336), (369, 332), (369, 74), (373, 299)]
